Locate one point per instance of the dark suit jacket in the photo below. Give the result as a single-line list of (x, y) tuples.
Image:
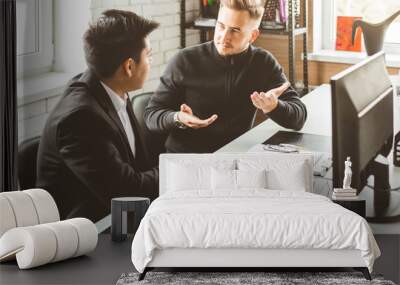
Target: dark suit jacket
[(84, 158)]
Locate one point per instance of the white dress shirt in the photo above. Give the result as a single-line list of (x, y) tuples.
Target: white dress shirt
[(120, 107)]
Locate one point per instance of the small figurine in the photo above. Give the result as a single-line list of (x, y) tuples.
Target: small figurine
[(347, 174)]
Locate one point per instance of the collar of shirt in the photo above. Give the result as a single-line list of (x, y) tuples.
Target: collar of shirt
[(117, 101), (238, 59), (120, 106)]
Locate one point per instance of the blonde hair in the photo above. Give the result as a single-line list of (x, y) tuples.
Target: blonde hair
[(254, 7)]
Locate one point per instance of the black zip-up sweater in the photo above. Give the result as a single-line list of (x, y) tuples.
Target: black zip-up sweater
[(212, 84)]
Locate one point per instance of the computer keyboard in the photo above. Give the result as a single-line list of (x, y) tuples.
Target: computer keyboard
[(322, 163)]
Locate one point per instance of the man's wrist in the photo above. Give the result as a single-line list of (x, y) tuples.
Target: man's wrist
[(178, 123), (270, 110), (277, 110)]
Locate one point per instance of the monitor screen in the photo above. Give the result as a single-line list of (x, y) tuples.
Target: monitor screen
[(362, 118)]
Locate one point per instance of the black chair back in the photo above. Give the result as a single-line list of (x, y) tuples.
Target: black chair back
[(27, 156), (154, 143)]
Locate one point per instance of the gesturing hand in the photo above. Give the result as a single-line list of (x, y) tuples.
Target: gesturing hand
[(268, 101), (186, 117)]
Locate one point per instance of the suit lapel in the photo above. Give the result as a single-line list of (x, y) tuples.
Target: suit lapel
[(141, 154), (97, 90)]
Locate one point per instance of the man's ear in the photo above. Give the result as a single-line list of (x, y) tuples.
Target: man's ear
[(254, 35), (129, 66)]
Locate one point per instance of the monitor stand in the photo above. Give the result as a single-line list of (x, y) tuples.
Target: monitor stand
[(383, 198)]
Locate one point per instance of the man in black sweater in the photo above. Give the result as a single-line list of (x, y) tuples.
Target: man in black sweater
[(223, 82)]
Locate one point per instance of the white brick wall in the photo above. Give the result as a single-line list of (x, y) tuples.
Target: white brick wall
[(165, 43), (32, 117)]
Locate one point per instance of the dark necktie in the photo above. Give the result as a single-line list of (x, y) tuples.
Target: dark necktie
[(140, 154), (132, 120)]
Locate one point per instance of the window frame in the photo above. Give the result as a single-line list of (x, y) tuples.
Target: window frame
[(41, 60), (323, 15)]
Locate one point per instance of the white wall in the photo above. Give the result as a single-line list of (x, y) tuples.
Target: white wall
[(37, 96), (70, 25)]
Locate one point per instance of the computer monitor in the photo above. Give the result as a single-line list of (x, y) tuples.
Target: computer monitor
[(362, 126)]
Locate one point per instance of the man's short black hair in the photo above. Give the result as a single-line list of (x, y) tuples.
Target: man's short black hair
[(116, 36)]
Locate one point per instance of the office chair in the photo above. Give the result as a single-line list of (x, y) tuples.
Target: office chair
[(154, 143), (27, 168), (27, 156)]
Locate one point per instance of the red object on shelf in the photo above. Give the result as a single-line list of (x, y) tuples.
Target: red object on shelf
[(344, 26)]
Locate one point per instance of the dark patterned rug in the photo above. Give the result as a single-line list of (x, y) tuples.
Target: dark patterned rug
[(244, 278)]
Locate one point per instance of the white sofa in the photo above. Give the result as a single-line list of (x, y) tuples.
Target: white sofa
[(31, 231)]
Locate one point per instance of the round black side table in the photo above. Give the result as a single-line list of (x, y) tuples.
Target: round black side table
[(119, 210)]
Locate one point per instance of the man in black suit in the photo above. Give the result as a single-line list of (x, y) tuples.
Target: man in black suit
[(90, 150)]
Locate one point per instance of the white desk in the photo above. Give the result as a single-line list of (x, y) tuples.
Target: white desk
[(318, 122)]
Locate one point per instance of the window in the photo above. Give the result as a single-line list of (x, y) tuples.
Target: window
[(370, 10), (34, 36)]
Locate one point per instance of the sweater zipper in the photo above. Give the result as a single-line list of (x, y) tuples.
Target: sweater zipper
[(229, 78)]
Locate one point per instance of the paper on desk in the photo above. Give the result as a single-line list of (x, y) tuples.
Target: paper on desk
[(261, 148)]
